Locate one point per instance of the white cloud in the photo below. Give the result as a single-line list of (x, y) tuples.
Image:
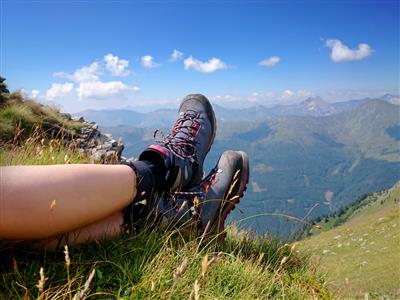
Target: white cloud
[(116, 66), (287, 94), (210, 66), (90, 85), (269, 62), (101, 90), (340, 52), (305, 94), (84, 74), (176, 55), (35, 94), (58, 90), (148, 62)]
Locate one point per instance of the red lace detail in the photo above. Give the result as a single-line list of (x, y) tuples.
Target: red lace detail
[(181, 141)]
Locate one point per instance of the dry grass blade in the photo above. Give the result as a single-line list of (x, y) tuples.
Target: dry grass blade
[(41, 282), (196, 289), (293, 247), (180, 270), (203, 235), (261, 257), (67, 265), (284, 259), (82, 294), (206, 264)]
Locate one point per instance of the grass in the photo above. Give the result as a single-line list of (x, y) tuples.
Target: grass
[(163, 265), (20, 112), (37, 150), (159, 264), (361, 256)]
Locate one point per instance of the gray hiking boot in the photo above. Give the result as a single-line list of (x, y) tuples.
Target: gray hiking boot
[(184, 149), (209, 203)]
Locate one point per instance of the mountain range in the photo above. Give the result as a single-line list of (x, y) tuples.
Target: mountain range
[(313, 106), (307, 159)]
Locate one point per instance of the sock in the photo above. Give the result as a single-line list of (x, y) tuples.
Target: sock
[(150, 176), (150, 181)]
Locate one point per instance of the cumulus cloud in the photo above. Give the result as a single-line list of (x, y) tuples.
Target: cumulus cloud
[(270, 61), (89, 83), (58, 90), (101, 90), (84, 74), (225, 98), (35, 94), (148, 62), (287, 94), (210, 66), (294, 96), (340, 52), (176, 55), (116, 66)]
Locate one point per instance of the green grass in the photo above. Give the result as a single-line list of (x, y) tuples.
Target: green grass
[(19, 113), (330, 221), (36, 150), (142, 266), (362, 255)]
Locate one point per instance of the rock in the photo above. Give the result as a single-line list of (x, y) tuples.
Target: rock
[(110, 153), (100, 147), (66, 116)]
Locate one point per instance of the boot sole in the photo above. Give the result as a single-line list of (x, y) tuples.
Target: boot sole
[(219, 225)]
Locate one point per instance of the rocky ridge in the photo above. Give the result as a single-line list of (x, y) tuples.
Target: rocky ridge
[(100, 147)]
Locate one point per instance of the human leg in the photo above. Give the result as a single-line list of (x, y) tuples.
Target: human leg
[(42, 201), (106, 228)]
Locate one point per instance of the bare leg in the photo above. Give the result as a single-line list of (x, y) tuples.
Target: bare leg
[(104, 229), (38, 202)]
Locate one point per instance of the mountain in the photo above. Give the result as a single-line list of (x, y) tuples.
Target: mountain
[(361, 254), (301, 165), (313, 165), (394, 99), (313, 106), (163, 117), (348, 105)]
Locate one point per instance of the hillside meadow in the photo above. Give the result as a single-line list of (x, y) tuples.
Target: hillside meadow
[(168, 263), (361, 256)]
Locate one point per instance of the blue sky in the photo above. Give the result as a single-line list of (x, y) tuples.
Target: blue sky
[(110, 54)]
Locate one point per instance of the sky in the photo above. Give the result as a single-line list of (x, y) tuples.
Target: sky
[(146, 54)]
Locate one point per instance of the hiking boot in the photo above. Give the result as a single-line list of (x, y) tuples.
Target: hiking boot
[(209, 203), (184, 149)]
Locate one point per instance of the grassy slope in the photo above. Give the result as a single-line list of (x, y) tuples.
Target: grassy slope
[(21, 116), (362, 255), (143, 266)]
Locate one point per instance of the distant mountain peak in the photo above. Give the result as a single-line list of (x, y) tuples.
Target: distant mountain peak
[(394, 99), (313, 99), (318, 106)]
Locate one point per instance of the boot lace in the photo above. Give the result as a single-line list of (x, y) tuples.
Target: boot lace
[(181, 141)]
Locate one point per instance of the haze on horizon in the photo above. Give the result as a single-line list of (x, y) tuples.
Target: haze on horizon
[(95, 55)]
